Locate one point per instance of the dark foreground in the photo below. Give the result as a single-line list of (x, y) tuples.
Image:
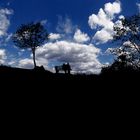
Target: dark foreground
[(38, 76), (42, 91)]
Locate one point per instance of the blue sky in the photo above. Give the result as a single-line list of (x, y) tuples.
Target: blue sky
[(77, 36)]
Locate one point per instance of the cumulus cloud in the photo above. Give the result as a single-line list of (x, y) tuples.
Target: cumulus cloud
[(2, 56), (27, 63), (83, 58), (103, 21), (81, 37), (102, 36), (112, 8), (54, 36)]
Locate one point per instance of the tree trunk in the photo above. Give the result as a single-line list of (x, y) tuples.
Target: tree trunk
[(33, 50)]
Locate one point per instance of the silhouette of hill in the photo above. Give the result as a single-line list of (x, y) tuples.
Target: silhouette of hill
[(40, 75), (44, 89)]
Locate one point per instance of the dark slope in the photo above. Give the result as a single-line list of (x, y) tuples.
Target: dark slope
[(15, 74), (42, 90)]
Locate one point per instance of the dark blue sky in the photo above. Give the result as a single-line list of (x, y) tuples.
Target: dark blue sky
[(78, 11)]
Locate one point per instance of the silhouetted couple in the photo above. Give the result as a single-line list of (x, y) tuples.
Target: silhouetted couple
[(65, 67)]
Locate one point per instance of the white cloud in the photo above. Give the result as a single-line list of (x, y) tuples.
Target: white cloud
[(112, 8), (121, 17), (104, 20), (7, 38), (101, 19), (54, 36), (4, 21), (103, 36), (81, 37), (83, 58), (26, 63), (2, 56)]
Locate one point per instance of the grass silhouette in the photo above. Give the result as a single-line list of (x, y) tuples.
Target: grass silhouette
[(39, 74)]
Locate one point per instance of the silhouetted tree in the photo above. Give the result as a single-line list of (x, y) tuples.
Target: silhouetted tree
[(31, 36), (127, 33)]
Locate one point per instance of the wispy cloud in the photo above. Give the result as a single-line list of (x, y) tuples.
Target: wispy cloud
[(4, 25), (44, 22), (2, 56), (4, 35), (138, 5), (65, 25), (4, 21)]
